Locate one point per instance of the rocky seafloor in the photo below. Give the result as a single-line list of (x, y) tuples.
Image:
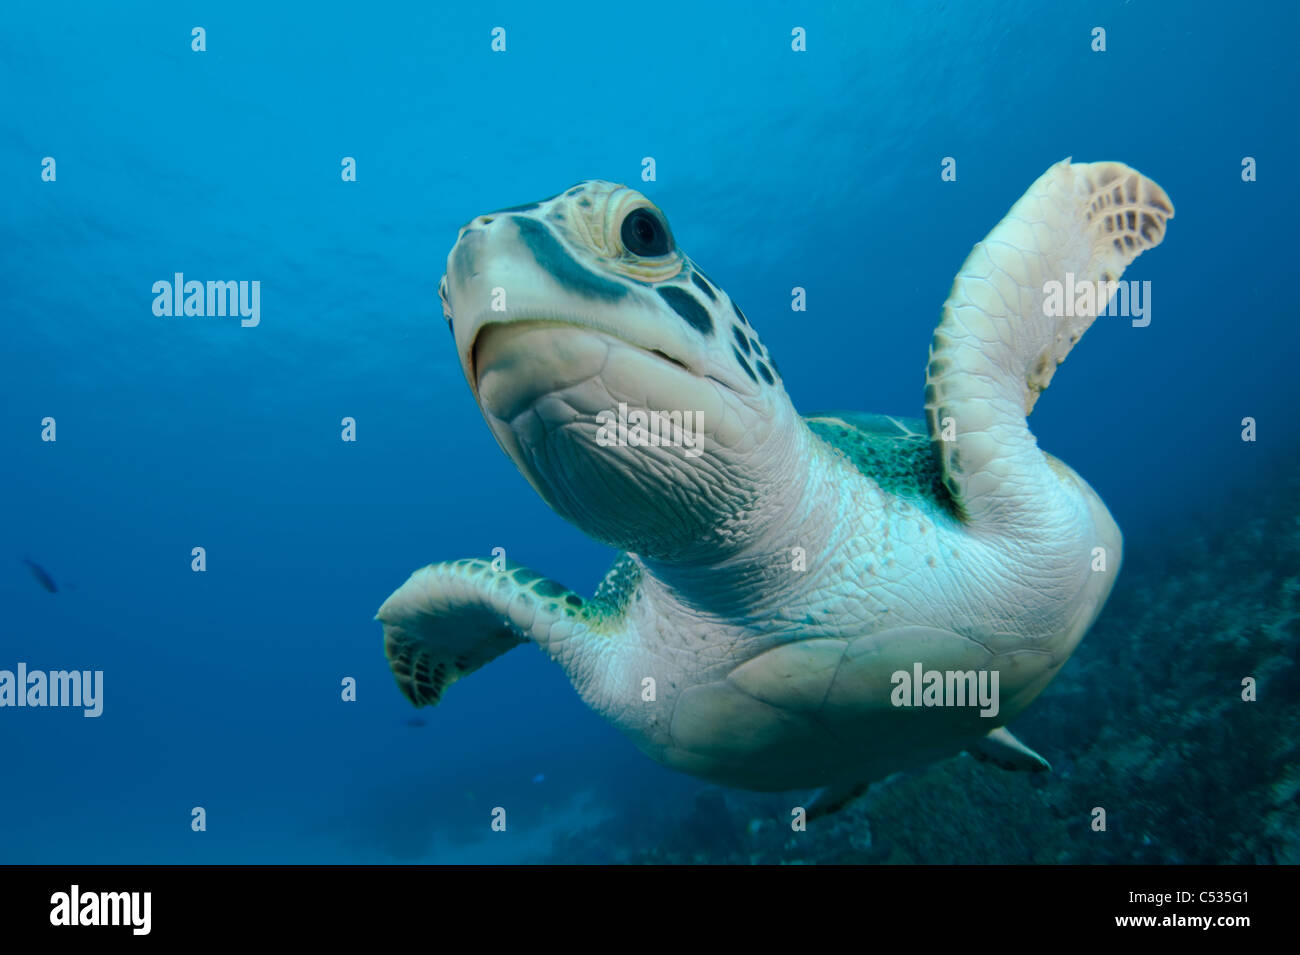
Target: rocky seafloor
[(1146, 721)]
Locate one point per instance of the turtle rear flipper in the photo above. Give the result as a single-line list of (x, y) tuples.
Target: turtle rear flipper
[(451, 618), (1001, 748), (1002, 333)]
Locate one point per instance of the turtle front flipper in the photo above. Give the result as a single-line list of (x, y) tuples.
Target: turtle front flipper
[(449, 619), (1022, 300)]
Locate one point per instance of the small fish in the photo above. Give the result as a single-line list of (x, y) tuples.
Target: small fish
[(539, 778), (42, 575), (417, 721)]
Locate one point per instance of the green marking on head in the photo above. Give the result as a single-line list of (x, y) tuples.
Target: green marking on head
[(610, 370)]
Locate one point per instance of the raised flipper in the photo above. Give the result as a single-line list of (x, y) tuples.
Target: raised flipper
[(1002, 749), (996, 347), (449, 619)]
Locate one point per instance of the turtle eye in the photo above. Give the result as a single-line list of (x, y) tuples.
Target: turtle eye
[(645, 234)]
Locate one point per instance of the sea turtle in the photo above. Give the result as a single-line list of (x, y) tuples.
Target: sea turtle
[(801, 601)]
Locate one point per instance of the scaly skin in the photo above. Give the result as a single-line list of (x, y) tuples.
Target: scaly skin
[(876, 561)]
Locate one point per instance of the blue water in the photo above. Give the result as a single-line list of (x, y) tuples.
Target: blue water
[(818, 169)]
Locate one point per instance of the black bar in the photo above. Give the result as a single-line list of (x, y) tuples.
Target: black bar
[(385, 904)]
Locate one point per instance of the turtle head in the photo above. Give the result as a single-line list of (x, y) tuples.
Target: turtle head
[(626, 386)]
